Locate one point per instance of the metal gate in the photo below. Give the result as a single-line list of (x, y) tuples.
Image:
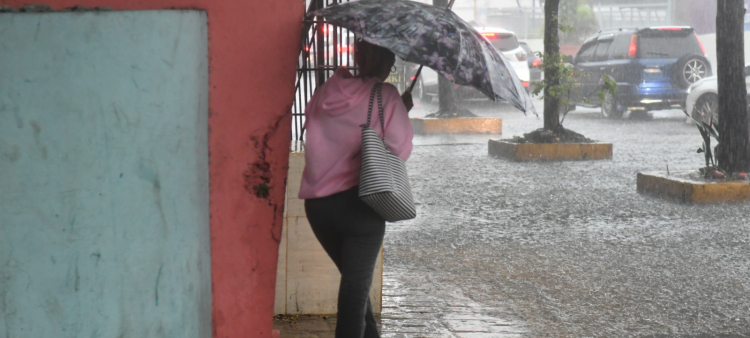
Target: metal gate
[(325, 48)]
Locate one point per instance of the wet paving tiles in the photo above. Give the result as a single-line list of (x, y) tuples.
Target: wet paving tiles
[(427, 309), (413, 308)]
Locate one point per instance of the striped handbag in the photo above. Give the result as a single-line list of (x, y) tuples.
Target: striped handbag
[(383, 183)]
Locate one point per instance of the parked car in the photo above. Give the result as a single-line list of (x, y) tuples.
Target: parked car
[(703, 98), (504, 42), (653, 67), (340, 53), (534, 62)]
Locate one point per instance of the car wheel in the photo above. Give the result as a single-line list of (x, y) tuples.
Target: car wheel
[(690, 69), (609, 107), (707, 109)]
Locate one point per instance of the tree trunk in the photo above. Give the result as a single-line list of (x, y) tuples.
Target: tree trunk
[(551, 51), (446, 95), (446, 91), (733, 153)]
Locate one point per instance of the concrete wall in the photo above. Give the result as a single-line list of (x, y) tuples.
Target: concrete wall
[(307, 280), (253, 51), (104, 162)]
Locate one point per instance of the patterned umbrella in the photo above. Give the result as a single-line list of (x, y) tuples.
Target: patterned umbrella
[(435, 37)]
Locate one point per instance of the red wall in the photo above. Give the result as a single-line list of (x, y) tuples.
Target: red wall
[(253, 50)]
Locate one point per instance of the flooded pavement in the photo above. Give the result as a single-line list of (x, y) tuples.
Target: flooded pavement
[(566, 249)]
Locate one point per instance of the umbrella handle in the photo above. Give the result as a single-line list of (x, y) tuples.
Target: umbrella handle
[(416, 76)]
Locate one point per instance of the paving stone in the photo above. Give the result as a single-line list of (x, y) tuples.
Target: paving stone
[(401, 316), (505, 329), (468, 326), (487, 335)]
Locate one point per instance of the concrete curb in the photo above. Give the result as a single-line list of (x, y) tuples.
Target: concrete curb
[(550, 151), (459, 125), (686, 191)]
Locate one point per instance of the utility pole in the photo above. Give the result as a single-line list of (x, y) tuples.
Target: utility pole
[(475, 11)]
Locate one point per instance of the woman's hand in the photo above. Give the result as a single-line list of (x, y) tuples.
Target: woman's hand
[(408, 102)]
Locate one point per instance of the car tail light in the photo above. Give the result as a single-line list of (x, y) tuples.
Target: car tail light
[(346, 49), (633, 46), (521, 56), (536, 63), (700, 43), (489, 35)]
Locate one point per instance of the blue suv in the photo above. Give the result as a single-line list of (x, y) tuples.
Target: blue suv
[(653, 67)]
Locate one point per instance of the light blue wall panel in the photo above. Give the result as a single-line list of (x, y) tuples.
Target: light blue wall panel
[(104, 225)]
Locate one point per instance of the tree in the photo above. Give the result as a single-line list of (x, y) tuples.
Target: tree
[(578, 14), (556, 86), (551, 73), (733, 152)]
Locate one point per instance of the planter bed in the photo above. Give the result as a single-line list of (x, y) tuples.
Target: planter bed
[(458, 125), (689, 187), (549, 151)]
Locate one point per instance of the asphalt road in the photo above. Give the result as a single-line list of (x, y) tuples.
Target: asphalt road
[(570, 249)]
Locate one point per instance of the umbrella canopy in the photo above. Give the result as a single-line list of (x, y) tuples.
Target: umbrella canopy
[(435, 37)]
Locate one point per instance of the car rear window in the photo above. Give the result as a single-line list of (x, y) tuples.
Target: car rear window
[(502, 41), (586, 53), (661, 44), (602, 50), (621, 46)]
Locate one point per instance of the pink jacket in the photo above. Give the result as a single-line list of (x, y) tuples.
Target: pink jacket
[(334, 136)]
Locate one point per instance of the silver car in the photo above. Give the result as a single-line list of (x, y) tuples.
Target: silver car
[(504, 42), (703, 98)]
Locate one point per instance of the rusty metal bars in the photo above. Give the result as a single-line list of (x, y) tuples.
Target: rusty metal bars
[(324, 48)]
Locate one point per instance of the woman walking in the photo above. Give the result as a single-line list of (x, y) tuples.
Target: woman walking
[(349, 230)]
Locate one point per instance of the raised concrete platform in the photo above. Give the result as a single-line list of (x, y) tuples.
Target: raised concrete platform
[(549, 151), (459, 125), (683, 190)]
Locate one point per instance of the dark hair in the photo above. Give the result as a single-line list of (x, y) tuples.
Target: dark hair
[(371, 59)]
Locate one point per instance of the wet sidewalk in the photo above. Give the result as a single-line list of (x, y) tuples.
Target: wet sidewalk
[(561, 249), (410, 309)]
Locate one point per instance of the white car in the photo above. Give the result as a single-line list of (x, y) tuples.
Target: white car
[(504, 42), (703, 98)]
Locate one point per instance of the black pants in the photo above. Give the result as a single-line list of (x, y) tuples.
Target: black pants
[(352, 234)]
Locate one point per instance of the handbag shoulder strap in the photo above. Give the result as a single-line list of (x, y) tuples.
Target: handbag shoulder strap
[(376, 89), (380, 109)]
